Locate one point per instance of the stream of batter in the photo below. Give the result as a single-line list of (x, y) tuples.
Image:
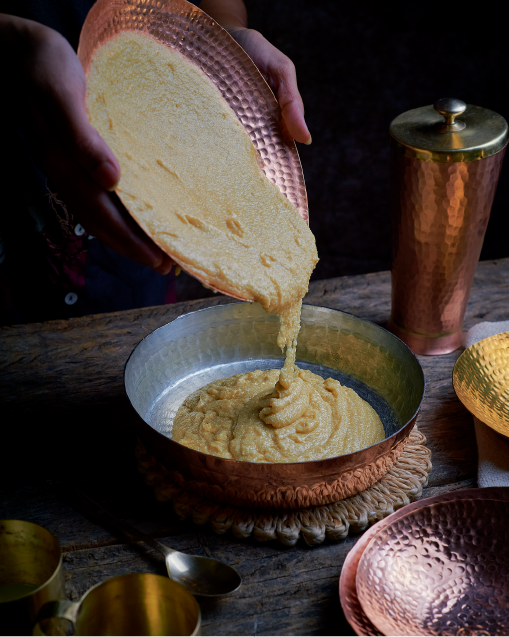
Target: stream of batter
[(277, 415), (191, 178)]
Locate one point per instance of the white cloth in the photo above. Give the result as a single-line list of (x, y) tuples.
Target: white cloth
[(493, 448)]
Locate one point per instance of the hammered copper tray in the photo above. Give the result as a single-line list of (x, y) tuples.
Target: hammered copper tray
[(183, 27), (217, 342), (436, 567), (350, 603)]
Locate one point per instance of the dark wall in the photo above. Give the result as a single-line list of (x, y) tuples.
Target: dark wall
[(359, 65)]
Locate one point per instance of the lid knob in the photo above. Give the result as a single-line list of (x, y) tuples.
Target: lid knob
[(450, 107)]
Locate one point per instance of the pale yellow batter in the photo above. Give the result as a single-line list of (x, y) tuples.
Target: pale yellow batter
[(245, 417), (191, 175), (191, 178)]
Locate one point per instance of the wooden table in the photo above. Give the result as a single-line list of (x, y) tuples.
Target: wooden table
[(65, 420)]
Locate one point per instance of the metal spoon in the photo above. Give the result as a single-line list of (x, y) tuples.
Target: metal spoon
[(200, 575)]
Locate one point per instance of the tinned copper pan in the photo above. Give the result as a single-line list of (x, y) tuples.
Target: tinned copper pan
[(440, 568), (350, 603), (197, 348), (186, 29)]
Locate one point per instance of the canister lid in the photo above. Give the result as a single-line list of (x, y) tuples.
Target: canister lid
[(449, 131)]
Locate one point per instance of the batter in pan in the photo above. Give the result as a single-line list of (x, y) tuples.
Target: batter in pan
[(191, 177)]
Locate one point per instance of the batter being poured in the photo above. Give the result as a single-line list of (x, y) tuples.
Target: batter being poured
[(191, 178), (287, 415)]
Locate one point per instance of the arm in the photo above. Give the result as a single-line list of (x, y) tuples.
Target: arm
[(277, 69), (47, 87)]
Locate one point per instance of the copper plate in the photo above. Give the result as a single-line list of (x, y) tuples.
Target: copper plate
[(439, 567), (183, 27), (350, 603), (197, 348), (481, 381)]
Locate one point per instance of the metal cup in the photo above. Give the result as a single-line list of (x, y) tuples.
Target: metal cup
[(444, 173), (30, 574), (134, 604)]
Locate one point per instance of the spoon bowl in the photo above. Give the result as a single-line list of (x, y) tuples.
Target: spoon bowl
[(201, 576)]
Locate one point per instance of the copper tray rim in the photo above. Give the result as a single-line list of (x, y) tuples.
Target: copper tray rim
[(230, 461), (348, 577)]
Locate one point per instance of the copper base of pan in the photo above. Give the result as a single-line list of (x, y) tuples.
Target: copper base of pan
[(348, 583)]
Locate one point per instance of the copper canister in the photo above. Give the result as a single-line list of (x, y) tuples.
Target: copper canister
[(445, 165)]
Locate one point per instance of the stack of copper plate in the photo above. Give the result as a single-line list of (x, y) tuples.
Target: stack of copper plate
[(435, 567)]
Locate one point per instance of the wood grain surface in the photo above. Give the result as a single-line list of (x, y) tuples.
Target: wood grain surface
[(65, 422)]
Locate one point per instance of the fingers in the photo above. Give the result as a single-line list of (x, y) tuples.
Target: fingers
[(50, 92), (100, 212), (290, 101), (61, 85), (280, 74), (83, 143)]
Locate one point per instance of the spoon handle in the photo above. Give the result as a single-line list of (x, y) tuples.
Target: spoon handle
[(99, 512)]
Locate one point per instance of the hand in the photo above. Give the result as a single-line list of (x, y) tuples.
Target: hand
[(279, 73), (48, 87), (277, 69)]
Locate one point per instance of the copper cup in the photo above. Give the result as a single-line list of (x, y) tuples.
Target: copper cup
[(444, 176)]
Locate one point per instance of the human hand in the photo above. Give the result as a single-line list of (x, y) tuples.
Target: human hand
[(277, 69), (279, 73), (48, 89)]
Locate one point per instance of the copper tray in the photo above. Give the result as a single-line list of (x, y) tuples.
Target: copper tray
[(183, 27), (350, 602), (197, 348)]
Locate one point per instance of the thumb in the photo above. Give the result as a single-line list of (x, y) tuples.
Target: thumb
[(64, 93)]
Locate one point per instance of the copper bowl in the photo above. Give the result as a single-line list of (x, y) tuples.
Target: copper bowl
[(197, 348), (350, 603), (437, 567)]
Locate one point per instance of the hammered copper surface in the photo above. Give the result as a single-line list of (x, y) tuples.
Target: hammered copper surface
[(217, 342), (440, 212), (481, 381), (188, 30), (350, 603), (441, 568)]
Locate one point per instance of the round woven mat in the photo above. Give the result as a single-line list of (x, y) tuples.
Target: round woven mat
[(402, 484)]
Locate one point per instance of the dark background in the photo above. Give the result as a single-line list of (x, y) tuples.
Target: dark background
[(359, 65)]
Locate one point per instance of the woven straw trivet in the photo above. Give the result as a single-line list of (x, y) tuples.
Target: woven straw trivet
[(400, 486)]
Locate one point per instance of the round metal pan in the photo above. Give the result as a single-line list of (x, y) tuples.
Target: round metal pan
[(350, 603), (197, 348)]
